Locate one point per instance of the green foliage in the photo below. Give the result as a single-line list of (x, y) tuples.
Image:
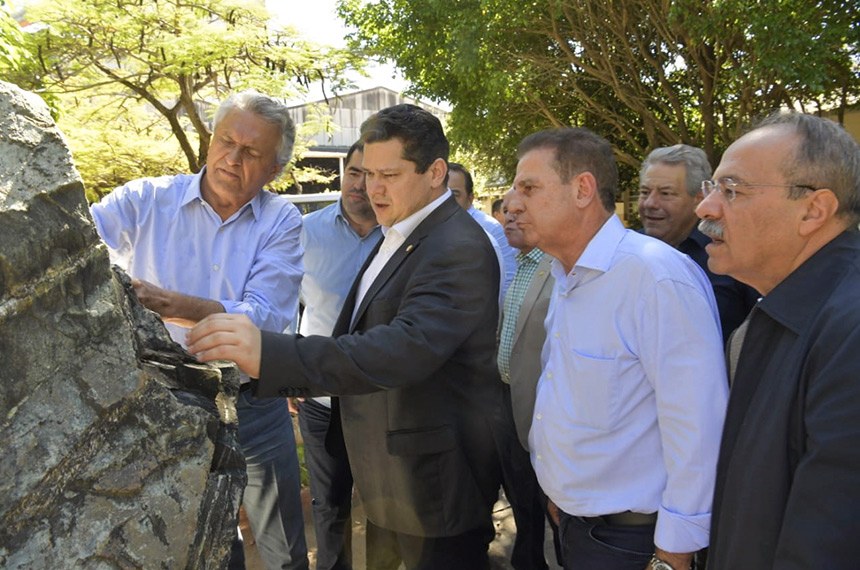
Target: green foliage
[(643, 73), (114, 144), (11, 40), (156, 70)]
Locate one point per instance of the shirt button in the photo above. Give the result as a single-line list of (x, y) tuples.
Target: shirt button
[(549, 374), (557, 335), (539, 457), (539, 416), (215, 267)]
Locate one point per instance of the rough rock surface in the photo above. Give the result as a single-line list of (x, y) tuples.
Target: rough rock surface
[(119, 451)]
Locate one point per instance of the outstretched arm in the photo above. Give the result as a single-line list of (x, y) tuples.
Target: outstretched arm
[(175, 307)]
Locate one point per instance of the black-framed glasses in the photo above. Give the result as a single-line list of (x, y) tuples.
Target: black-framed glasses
[(727, 187)]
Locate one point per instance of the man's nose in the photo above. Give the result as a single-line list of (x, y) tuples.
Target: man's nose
[(515, 207), (234, 155), (372, 186), (710, 207), (651, 200)]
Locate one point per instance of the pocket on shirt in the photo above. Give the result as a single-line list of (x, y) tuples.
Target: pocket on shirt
[(593, 382)]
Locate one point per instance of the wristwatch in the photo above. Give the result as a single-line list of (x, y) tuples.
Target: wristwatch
[(657, 564)]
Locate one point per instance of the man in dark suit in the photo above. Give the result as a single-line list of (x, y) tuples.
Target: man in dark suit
[(782, 211), (412, 356)]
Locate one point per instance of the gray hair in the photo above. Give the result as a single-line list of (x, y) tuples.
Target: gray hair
[(827, 156), (694, 160), (267, 108)]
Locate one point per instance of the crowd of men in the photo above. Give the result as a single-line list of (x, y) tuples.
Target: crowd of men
[(665, 399)]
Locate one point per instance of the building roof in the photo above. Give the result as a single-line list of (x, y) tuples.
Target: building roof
[(349, 110)]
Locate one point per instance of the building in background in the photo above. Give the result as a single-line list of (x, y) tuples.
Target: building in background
[(327, 150)]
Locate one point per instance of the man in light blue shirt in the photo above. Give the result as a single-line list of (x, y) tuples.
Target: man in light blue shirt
[(337, 241), (217, 242), (632, 396), (463, 188)]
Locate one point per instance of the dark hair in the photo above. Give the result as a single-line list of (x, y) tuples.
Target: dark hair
[(497, 205), (457, 167), (826, 157), (419, 130), (579, 150), (693, 159), (356, 146)]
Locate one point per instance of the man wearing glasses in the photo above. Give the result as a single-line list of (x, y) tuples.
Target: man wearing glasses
[(782, 212)]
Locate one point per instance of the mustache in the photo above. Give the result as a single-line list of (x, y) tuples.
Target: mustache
[(711, 229)]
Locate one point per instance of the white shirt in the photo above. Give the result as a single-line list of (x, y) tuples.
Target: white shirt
[(395, 236), (631, 401)]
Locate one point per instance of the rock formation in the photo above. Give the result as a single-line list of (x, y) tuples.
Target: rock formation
[(119, 450)]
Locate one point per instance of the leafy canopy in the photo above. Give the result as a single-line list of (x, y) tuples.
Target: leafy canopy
[(172, 61), (643, 73)]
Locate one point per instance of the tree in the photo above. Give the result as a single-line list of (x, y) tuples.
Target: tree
[(11, 40), (178, 58), (643, 73), (113, 143)]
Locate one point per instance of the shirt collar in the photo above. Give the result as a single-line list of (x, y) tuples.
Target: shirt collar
[(192, 192), (535, 255), (406, 226), (698, 238), (798, 298), (600, 250), (341, 217)]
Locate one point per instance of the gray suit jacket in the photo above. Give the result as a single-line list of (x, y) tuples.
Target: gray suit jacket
[(529, 337), (417, 378)]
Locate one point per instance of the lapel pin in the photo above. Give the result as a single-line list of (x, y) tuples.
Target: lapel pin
[(409, 248)]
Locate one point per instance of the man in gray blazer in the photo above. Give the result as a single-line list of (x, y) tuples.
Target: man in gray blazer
[(521, 337), (522, 332), (412, 357)]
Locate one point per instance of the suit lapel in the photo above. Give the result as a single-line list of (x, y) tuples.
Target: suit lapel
[(344, 319), (532, 293), (443, 212)]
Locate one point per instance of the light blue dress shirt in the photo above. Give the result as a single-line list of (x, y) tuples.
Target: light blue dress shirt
[(501, 245), (631, 401), (161, 230), (334, 254)]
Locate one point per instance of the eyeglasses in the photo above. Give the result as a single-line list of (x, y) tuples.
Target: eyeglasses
[(728, 187)]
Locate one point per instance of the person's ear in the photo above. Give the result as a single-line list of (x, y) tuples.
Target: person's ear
[(437, 170), (585, 186), (819, 208)]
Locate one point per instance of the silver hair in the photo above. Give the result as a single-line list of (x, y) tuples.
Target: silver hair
[(694, 159), (267, 108)]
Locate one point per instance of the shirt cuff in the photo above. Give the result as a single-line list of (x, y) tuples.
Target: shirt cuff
[(681, 533), (231, 306)]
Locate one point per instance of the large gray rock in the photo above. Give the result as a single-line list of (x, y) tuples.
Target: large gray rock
[(118, 450)]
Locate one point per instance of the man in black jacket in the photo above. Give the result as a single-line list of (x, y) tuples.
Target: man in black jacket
[(782, 211)]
